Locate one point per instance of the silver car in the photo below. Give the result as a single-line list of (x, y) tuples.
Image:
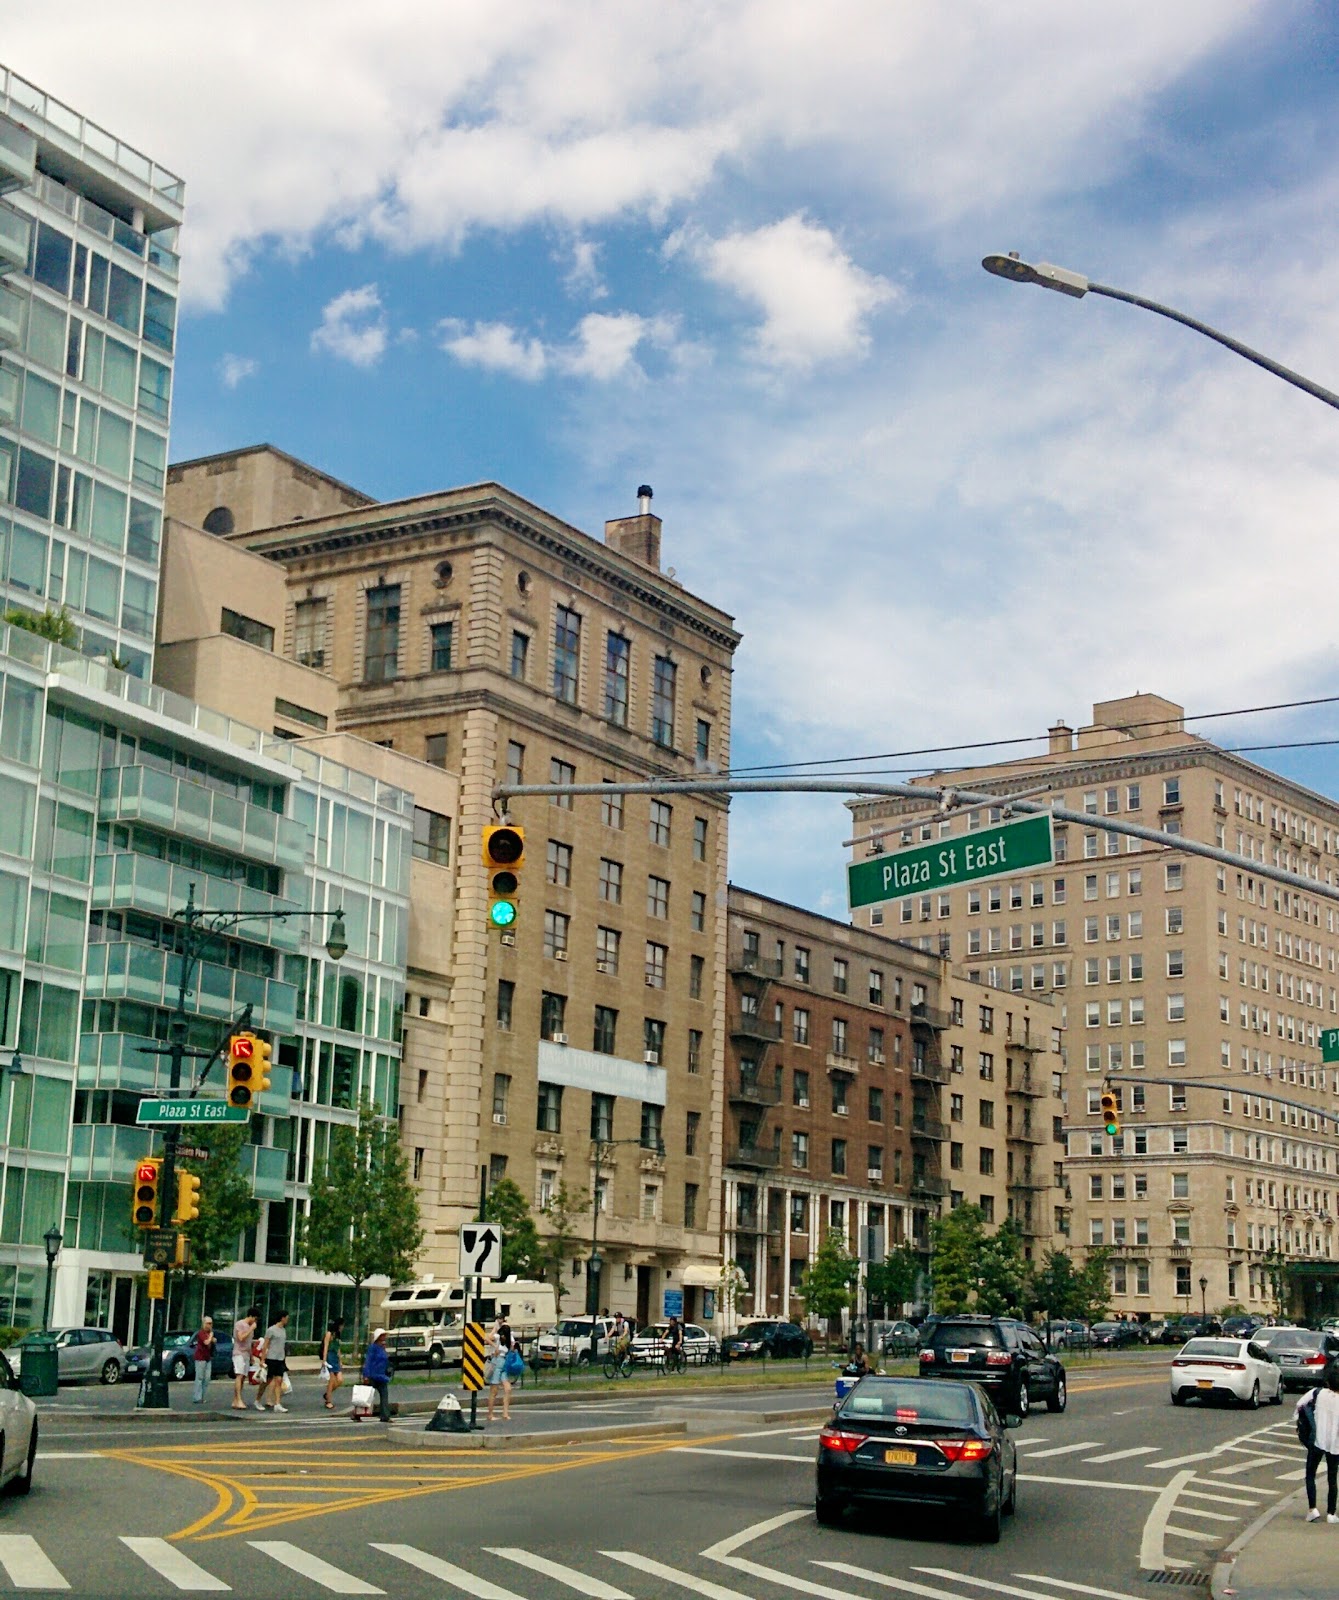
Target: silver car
[(81, 1353), (1301, 1356)]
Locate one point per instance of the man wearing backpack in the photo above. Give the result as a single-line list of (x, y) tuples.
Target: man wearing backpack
[(1318, 1428)]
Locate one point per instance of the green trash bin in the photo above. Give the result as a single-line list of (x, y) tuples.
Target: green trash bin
[(39, 1366)]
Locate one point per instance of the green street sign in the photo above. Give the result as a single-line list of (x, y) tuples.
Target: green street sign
[(989, 853), (172, 1113), (1329, 1044)]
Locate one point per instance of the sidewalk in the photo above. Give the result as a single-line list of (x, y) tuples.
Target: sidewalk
[(1281, 1557)]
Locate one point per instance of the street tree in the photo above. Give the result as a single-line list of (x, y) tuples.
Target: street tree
[(1054, 1288), (892, 1282), (1094, 1286), (732, 1283), (955, 1242), (561, 1237), (827, 1286), (364, 1219), (227, 1205), (1001, 1271), (521, 1250)]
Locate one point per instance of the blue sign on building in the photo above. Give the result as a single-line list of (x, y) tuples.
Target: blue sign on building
[(674, 1302), (708, 1304)]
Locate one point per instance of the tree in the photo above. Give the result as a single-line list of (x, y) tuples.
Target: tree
[(732, 1283), (956, 1241), (227, 1205), (1094, 1286), (1001, 1271), (826, 1288), (522, 1253), (364, 1218), (1055, 1286), (892, 1282), (58, 626), (560, 1214)]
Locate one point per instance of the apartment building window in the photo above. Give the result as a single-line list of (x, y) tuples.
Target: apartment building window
[(839, 1158), (955, 1108), (663, 679), (650, 1202), (801, 964), (690, 1205), (506, 994), (501, 1089), (985, 1063), (1176, 1008), (987, 1161), (799, 1088), (601, 1114), (875, 1048), (309, 633), (875, 1163), (702, 748), (520, 655), (561, 772), (381, 639), (987, 1019), (875, 1104), (545, 1188), (839, 1036), (607, 941), (611, 809), (611, 881), (799, 1213), (434, 749), (955, 1156), (442, 634), (657, 897), (1180, 1186), (875, 987), (1171, 791), (1176, 1057), (799, 1151), (559, 863), (556, 925), (432, 837), (840, 970), (515, 762), (692, 1123), (987, 1113), (617, 660), (605, 1039), (652, 1134), (658, 830), (840, 1086), (657, 960), (1176, 963), (653, 1040), (696, 968), (694, 1050), (566, 653), (987, 1204), (799, 1025), (697, 913), (550, 1114)]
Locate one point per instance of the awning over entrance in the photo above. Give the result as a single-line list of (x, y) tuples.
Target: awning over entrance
[(701, 1275)]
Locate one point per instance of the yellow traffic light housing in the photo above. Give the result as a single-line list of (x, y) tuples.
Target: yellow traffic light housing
[(144, 1196), (1111, 1112), (504, 856), (188, 1198), (261, 1051), (242, 1069)]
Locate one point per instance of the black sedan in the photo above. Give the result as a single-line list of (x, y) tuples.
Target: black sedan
[(178, 1360), (917, 1442), (772, 1338), (1114, 1335)]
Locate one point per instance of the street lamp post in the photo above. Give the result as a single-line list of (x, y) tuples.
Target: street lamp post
[(1063, 281), (1204, 1285), (199, 926), (51, 1239)]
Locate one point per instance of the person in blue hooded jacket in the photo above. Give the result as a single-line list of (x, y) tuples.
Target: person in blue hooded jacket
[(377, 1370)]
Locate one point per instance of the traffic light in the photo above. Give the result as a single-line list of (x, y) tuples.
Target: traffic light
[(144, 1199), (504, 856), (188, 1198), (1111, 1112), (242, 1069), (261, 1050)]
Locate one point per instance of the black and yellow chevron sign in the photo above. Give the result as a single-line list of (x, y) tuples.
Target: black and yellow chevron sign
[(472, 1356)]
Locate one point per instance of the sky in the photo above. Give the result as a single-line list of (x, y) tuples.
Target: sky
[(733, 250)]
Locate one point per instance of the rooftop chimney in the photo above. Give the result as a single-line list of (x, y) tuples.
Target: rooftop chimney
[(637, 537), (1062, 738)]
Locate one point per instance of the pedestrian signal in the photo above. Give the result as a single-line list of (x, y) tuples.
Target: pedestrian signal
[(144, 1200)]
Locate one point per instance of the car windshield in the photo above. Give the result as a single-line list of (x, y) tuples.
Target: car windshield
[(912, 1400), (1297, 1341), (1106, 1327), (571, 1330), (753, 1330), (1228, 1349), (958, 1337)]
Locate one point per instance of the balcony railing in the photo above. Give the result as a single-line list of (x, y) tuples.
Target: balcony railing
[(930, 1071), (840, 1063), (928, 1128), (1026, 1084), (1029, 1181), (929, 1186), (928, 1016), (753, 1156), (747, 962), (748, 1091), (1026, 1134), (748, 1025)]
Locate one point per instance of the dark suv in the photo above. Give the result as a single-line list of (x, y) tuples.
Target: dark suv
[(772, 1338), (1003, 1355)]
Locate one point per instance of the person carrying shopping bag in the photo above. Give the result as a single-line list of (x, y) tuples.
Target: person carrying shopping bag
[(332, 1369), (496, 1374), (377, 1371), (1318, 1428)]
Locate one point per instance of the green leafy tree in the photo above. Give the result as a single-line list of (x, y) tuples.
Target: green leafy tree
[(522, 1253), (1055, 1286), (892, 1281), (827, 1286), (58, 626), (731, 1284), (1001, 1271), (561, 1237), (955, 1252), (364, 1217), (227, 1205), (1094, 1286)]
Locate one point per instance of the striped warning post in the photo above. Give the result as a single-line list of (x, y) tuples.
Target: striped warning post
[(472, 1356)]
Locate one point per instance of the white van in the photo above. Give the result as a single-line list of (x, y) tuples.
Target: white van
[(424, 1319)]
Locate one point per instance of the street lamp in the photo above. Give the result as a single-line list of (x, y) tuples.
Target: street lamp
[(51, 1239), (1063, 281), (1204, 1284)]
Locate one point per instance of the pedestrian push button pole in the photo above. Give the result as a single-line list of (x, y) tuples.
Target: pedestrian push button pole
[(504, 856)]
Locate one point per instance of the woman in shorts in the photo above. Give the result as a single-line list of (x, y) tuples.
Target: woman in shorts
[(330, 1361)]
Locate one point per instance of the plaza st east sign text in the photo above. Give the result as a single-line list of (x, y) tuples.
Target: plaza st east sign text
[(989, 853)]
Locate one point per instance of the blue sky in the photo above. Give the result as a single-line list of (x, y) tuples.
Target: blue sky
[(732, 250)]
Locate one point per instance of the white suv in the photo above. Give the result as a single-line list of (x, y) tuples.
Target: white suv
[(569, 1342)]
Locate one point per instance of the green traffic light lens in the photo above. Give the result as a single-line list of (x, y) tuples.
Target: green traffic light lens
[(1112, 1129), (502, 914)]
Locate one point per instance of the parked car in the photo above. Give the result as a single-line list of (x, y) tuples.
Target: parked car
[(1114, 1335), (1234, 1369), (18, 1431), (917, 1443), (80, 1353), (1179, 1329), (1068, 1335), (569, 1342), (699, 1347), (178, 1360), (1003, 1355), (1152, 1332), (773, 1338), (1242, 1327), (900, 1339), (1300, 1355)]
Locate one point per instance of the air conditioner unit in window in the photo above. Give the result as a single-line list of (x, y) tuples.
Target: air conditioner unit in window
[(500, 1117), (802, 1105), (603, 966), (560, 955), (875, 1174), (509, 938), (651, 1058), (557, 1038)]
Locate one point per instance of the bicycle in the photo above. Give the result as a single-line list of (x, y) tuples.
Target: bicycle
[(675, 1361), (618, 1364)]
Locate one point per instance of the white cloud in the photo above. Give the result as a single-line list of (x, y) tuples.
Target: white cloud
[(815, 301), (605, 346), (495, 347), (233, 370), (353, 327), (583, 275)]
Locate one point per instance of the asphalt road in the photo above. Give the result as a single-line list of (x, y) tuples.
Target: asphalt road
[(305, 1505)]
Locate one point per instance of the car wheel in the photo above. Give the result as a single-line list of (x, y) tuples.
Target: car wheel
[(1011, 1504), (583, 1358), (436, 1358), (111, 1372), (24, 1482), (1060, 1399), (177, 1370), (1022, 1401), (1276, 1399), (1178, 1397), (828, 1510), (1254, 1401), (989, 1525)]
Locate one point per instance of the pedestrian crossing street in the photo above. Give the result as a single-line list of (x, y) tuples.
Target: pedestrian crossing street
[(510, 1573)]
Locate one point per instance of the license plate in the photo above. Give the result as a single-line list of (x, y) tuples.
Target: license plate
[(900, 1458), (960, 1355), (1204, 1383)]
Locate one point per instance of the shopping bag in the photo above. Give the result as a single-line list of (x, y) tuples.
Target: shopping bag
[(288, 1384), (364, 1399)]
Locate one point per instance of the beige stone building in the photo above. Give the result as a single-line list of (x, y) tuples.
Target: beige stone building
[(871, 1086), (474, 632), (1199, 989)]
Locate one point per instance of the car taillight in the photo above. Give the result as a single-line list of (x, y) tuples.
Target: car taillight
[(1179, 1363), (1233, 1366), (843, 1443), (1318, 1360), (965, 1449), (927, 1356), (997, 1358)]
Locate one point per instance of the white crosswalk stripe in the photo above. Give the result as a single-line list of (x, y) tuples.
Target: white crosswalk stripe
[(555, 1569), (686, 1580), (1063, 1450), (996, 1587), (1124, 1455), (447, 1571), (1078, 1588), (307, 1565), (902, 1585), (173, 1564), (26, 1564)]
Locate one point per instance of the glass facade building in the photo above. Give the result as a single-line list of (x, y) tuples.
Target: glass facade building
[(88, 303), (115, 799)]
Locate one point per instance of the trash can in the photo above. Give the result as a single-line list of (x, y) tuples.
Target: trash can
[(39, 1366)]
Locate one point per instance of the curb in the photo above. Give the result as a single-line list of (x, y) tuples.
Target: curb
[(1220, 1579), (553, 1436)]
